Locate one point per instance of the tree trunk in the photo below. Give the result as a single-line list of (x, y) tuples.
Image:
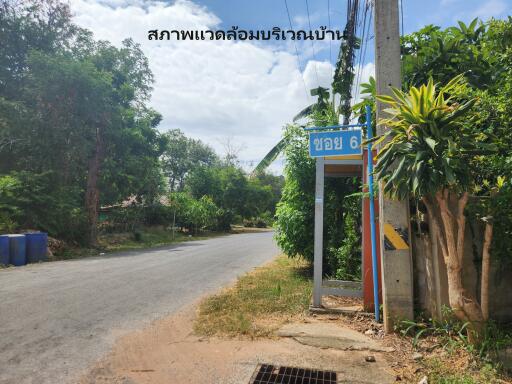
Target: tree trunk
[(486, 266), (92, 194), (446, 211)]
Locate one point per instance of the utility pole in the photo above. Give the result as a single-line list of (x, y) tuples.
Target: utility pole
[(395, 233)]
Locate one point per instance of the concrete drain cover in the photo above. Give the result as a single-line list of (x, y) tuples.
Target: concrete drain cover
[(273, 374)]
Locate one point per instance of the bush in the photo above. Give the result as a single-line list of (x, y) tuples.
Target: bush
[(124, 219), (137, 236), (158, 214), (202, 214), (268, 218), (295, 214), (36, 201), (224, 219)]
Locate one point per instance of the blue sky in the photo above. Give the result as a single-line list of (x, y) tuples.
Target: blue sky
[(243, 93), (416, 14)]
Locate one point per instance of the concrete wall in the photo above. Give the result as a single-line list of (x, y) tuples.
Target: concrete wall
[(430, 278)]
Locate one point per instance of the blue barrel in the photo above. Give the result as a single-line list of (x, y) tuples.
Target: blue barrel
[(4, 250), (37, 246), (17, 250)]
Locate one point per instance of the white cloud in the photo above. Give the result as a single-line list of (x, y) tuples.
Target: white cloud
[(210, 89)]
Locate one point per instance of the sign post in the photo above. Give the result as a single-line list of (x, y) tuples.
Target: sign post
[(325, 143)]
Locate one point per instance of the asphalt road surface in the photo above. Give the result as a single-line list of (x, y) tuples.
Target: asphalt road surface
[(58, 318)]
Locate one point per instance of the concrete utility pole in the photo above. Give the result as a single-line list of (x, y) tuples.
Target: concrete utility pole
[(395, 233)]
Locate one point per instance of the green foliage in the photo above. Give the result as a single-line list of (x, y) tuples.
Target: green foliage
[(271, 155), (344, 75), (31, 201), (323, 113), (231, 189), (482, 51), (427, 148), (183, 155), (196, 215), (349, 254), (452, 334), (74, 123), (370, 90), (295, 212), (440, 372), (443, 54), (64, 99)]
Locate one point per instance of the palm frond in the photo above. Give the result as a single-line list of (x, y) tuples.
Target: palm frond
[(271, 155), (304, 113)]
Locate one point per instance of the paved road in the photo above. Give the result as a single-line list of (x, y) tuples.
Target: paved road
[(58, 318)]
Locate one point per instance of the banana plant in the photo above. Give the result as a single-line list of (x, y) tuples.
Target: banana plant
[(322, 113)]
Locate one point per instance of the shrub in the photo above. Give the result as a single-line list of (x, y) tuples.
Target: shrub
[(36, 201), (224, 219)]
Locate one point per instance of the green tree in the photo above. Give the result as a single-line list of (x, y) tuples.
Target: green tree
[(182, 156), (482, 52), (74, 110), (428, 153)]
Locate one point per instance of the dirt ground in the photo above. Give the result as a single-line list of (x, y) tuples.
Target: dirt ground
[(169, 352)]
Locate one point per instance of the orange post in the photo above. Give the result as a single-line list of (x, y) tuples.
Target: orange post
[(367, 246)]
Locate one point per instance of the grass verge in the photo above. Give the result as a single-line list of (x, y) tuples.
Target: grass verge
[(148, 237), (461, 361), (260, 301), (446, 371)]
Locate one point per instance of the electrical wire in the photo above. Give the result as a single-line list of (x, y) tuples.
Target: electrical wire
[(297, 53), (330, 40), (312, 44), (401, 35), (364, 43), (360, 61)]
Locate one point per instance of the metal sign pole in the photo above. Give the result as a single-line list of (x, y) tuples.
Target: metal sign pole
[(369, 135), (319, 233)]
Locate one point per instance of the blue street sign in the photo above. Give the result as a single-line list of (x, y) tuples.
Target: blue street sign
[(335, 143)]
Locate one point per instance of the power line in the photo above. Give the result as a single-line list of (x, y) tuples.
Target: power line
[(360, 61), (401, 35), (364, 44), (297, 52), (330, 40), (312, 44), (402, 16)]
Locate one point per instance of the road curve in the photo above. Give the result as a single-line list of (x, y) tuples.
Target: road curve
[(58, 318)]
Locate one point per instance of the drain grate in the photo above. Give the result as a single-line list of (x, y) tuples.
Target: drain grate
[(272, 374)]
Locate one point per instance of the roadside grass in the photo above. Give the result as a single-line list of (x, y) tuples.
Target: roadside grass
[(242, 229), (259, 302), (147, 237), (443, 371), (462, 362)]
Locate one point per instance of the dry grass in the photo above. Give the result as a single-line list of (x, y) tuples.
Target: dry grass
[(259, 302)]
